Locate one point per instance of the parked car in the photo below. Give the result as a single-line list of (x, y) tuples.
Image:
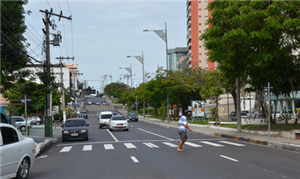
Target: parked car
[(118, 122), (35, 120), (17, 153), (75, 128), (133, 117), (281, 114), (247, 112), (20, 123), (84, 114), (104, 118)]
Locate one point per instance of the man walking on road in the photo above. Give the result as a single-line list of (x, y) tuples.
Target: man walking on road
[(182, 130)]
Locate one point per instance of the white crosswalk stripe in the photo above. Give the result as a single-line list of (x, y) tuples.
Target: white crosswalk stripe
[(66, 149), (232, 143), (108, 146), (211, 143), (170, 144), (192, 144), (149, 144), (87, 148), (129, 145)]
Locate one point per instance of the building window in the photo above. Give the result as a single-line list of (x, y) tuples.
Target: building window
[(199, 23), (205, 16), (200, 53), (199, 1), (200, 31), (205, 8), (199, 9), (200, 46), (199, 61), (200, 16)]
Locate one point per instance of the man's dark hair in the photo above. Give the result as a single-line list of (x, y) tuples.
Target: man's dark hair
[(185, 113)]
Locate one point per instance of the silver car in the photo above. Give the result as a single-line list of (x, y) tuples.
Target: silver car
[(118, 122), (20, 124)]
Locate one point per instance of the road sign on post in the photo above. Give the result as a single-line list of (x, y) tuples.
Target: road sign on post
[(25, 99)]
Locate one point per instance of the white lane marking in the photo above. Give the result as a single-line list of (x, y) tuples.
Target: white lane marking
[(149, 144), (134, 159), (213, 144), (129, 145), (66, 149), (87, 148), (232, 143), (155, 134), (108, 146), (112, 135), (170, 144), (192, 144), (125, 141), (232, 159), (43, 156)]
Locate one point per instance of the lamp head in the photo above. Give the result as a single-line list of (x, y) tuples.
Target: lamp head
[(128, 56), (146, 30)]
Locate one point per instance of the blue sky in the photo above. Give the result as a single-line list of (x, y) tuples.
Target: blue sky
[(102, 34)]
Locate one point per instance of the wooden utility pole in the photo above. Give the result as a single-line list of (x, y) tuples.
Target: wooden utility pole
[(47, 23), (62, 87)]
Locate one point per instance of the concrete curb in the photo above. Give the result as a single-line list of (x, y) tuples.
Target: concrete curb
[(43, 146)]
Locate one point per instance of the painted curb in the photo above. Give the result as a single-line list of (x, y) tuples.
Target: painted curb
[(43, 146)]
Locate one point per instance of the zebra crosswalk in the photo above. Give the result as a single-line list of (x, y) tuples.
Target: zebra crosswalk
[(172, 144)]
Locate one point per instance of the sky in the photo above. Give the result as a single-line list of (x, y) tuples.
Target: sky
[(102, 33)]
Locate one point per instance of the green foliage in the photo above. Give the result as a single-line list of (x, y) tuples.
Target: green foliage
[(13, 53), (115, 89), (35, 91), (214, 113), (162, 111)]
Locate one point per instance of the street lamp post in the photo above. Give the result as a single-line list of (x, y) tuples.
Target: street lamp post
[(141, 59), (130, 71), (163, 35)]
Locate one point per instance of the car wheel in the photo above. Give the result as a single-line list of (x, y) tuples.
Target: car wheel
[(22, 128), (23, 170), (87, 138), (110, 130), (63, 140), (100, 126)]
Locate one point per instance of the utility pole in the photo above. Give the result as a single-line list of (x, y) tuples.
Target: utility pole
[(62, 87), (47, 23)]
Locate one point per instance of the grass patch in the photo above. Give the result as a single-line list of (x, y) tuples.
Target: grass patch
[(115, 100), (274, 127), (198, 121)]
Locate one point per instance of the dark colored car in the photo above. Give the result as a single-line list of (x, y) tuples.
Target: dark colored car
[(133, 117), (75, 128), (84, 114)]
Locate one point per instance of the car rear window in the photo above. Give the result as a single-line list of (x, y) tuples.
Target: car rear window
[(118, 118), (132, 115), (72, 123), (106, 116)]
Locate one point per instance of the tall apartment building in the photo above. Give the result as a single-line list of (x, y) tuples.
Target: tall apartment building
[(197, 14)]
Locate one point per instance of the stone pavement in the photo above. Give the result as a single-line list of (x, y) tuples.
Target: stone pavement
[(261, 138)]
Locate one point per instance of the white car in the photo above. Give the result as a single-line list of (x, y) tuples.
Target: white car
[(118, 122), (17, 153), (20, 123), (35, 120), (104, 118)]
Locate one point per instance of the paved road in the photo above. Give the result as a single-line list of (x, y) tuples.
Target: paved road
[(148, 151)]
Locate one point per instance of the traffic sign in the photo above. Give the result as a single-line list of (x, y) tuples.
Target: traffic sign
[(136, 103), (27, 97)]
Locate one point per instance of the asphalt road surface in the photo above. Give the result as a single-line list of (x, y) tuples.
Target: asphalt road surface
[(149, 151)]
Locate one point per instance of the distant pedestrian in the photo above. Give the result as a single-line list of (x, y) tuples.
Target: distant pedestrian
[(182, 130)]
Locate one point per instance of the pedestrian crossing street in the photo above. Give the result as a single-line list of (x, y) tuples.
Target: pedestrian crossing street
[(172, 144)]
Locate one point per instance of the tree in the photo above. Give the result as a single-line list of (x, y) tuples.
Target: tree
[(250, 38), (13, 53)]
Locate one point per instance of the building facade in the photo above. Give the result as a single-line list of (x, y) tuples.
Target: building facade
[(197, 15), (176, 57)]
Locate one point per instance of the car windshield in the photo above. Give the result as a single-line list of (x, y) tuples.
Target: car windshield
[(83, 112), (132, 115), (73, 123), (106, 116), (118, 119)]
